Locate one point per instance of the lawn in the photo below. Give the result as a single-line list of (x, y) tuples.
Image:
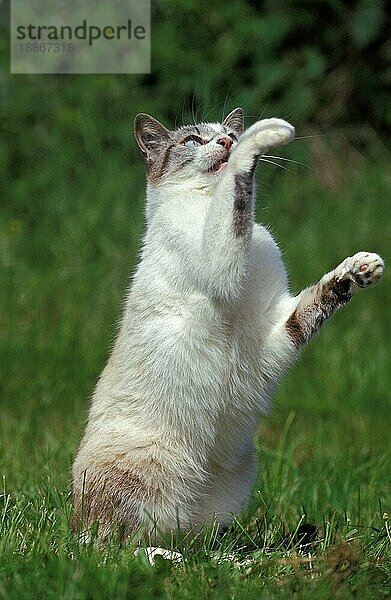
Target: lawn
[(69, 234)]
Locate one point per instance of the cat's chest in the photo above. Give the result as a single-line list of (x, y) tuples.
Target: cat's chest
[(197, 339)]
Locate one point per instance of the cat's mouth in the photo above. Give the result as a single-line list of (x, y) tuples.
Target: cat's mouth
[(219, 164)]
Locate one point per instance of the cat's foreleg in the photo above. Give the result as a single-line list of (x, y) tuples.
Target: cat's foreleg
[(319, 302), (230, 218)]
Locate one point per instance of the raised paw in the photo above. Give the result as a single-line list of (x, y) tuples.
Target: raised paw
[(270, 132), (363, 269), (257, 139), (274, 132)]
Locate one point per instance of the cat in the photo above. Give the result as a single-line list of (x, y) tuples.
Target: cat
[(209, 328)]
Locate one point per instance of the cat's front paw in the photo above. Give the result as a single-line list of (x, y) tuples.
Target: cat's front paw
[(270, 132), (363, 269), (257, 139)]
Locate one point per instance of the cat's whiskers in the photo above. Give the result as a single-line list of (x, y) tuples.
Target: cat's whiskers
[(277, 165), (297, 162), (264, 110), (306, 137)]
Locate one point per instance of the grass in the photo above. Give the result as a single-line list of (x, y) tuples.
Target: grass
[(68, 240)]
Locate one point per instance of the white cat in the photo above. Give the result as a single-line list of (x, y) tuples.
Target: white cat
[(209, 327)]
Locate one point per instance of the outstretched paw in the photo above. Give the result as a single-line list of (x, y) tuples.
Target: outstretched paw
[(363, 269), (257, 139), (274, 132), (269, 132)]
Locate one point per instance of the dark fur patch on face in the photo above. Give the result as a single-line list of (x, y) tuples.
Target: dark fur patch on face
[(156, 168), (243, 209), (324, 300), (172, 156)]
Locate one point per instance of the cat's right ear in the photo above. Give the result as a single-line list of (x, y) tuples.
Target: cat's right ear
[(150, 134), (235, 119)]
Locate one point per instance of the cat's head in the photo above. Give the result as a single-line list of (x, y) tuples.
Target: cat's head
[(191, 153)]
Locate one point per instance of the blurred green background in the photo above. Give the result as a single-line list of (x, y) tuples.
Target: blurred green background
[(71, 218)]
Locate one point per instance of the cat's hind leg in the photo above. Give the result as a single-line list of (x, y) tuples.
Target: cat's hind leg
[(319, 302), (147, 492)]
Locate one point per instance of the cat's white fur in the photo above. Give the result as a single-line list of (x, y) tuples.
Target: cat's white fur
[(202, 343)]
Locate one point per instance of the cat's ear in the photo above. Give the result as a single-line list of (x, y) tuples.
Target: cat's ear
[(149, 134), (235, 120)]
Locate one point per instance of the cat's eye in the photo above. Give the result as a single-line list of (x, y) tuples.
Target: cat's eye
[(192, 141), (233, 137)]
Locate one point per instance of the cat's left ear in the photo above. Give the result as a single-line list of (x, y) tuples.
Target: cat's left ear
[(235, 119), (150, 134)]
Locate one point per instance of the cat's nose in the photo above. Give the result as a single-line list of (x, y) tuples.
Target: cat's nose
[(225, 140)]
